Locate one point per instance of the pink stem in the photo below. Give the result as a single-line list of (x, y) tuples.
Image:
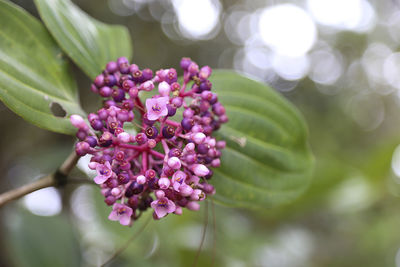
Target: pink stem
[(144, 161), (157, 154), (172, 123), (189, 93), (140, 105), (185, 82), (165, 146), (139, 148)]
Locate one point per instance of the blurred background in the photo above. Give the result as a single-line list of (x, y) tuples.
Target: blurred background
[(336, 60)]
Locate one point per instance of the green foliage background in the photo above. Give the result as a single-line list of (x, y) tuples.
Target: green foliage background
[(348, 216)]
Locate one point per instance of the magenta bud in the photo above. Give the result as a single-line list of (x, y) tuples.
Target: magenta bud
[(94, 89), (78, 122), (164, 182), (199, 138), (160, 194), (200, 169), (111, 67), (221, 144), (193, 205), (178, 210), (99, 80), (141, 179), (211, 142), (189, 147), (174, 163), (105, 91), (185, 62), (193, 68), (151, 143), (133, 92), (92, 165), (147, 86), (216, 163), (177, 101), (124, 137), (209, 189), (115, 191), (205, 72), (185, 190), (188, 113), (164, 89)]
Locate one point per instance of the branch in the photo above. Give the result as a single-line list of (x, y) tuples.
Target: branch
[(125, 246), (58, 178), (203, 236)]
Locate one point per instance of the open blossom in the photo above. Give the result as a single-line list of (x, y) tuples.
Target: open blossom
[(166, 166), (104, 172), (178, 179), (163, 206), (156, 107), (121, 213)]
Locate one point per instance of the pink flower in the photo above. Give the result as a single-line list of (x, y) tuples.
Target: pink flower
[(104, 172), (157, 107), (121, 213), (178, 179), (163, 206)]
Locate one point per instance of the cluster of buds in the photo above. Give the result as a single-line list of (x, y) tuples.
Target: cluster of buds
[(166, 163)]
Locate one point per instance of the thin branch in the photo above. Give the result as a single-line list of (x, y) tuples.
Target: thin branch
[(69, 163), (203, 237), (125, 246), (26, 189), (57, 178), (214, 232)]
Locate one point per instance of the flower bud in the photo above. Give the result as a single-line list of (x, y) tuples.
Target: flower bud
[(160, 194), (78, 122), (164, 88), (141, 179), (174, 163), (198, 138), (178, 210), (192, 205), (164, 182), (147, 86), (200, 169), (124, 137)]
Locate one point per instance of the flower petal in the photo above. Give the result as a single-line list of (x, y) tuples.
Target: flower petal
[(171, 206), (125, 219), (113, 216), (151, 115), (161, 211), (99, 179)]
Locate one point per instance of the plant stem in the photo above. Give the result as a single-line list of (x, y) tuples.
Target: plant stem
[(57, 178)]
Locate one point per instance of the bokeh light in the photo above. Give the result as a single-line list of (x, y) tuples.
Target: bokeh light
[(44, 202), (287, 29), (197, 19), (356, 15)]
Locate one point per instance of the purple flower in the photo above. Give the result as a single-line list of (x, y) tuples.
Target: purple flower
[(157, 107), (175, 139), (178, 179), (104, 172), (121, 213), (163, 206)]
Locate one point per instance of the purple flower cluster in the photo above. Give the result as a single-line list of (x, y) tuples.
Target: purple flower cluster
[(165, 165)]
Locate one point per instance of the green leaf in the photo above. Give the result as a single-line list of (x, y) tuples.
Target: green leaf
[(42, 241), (34, 74), (267, 160), (88, 42)]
